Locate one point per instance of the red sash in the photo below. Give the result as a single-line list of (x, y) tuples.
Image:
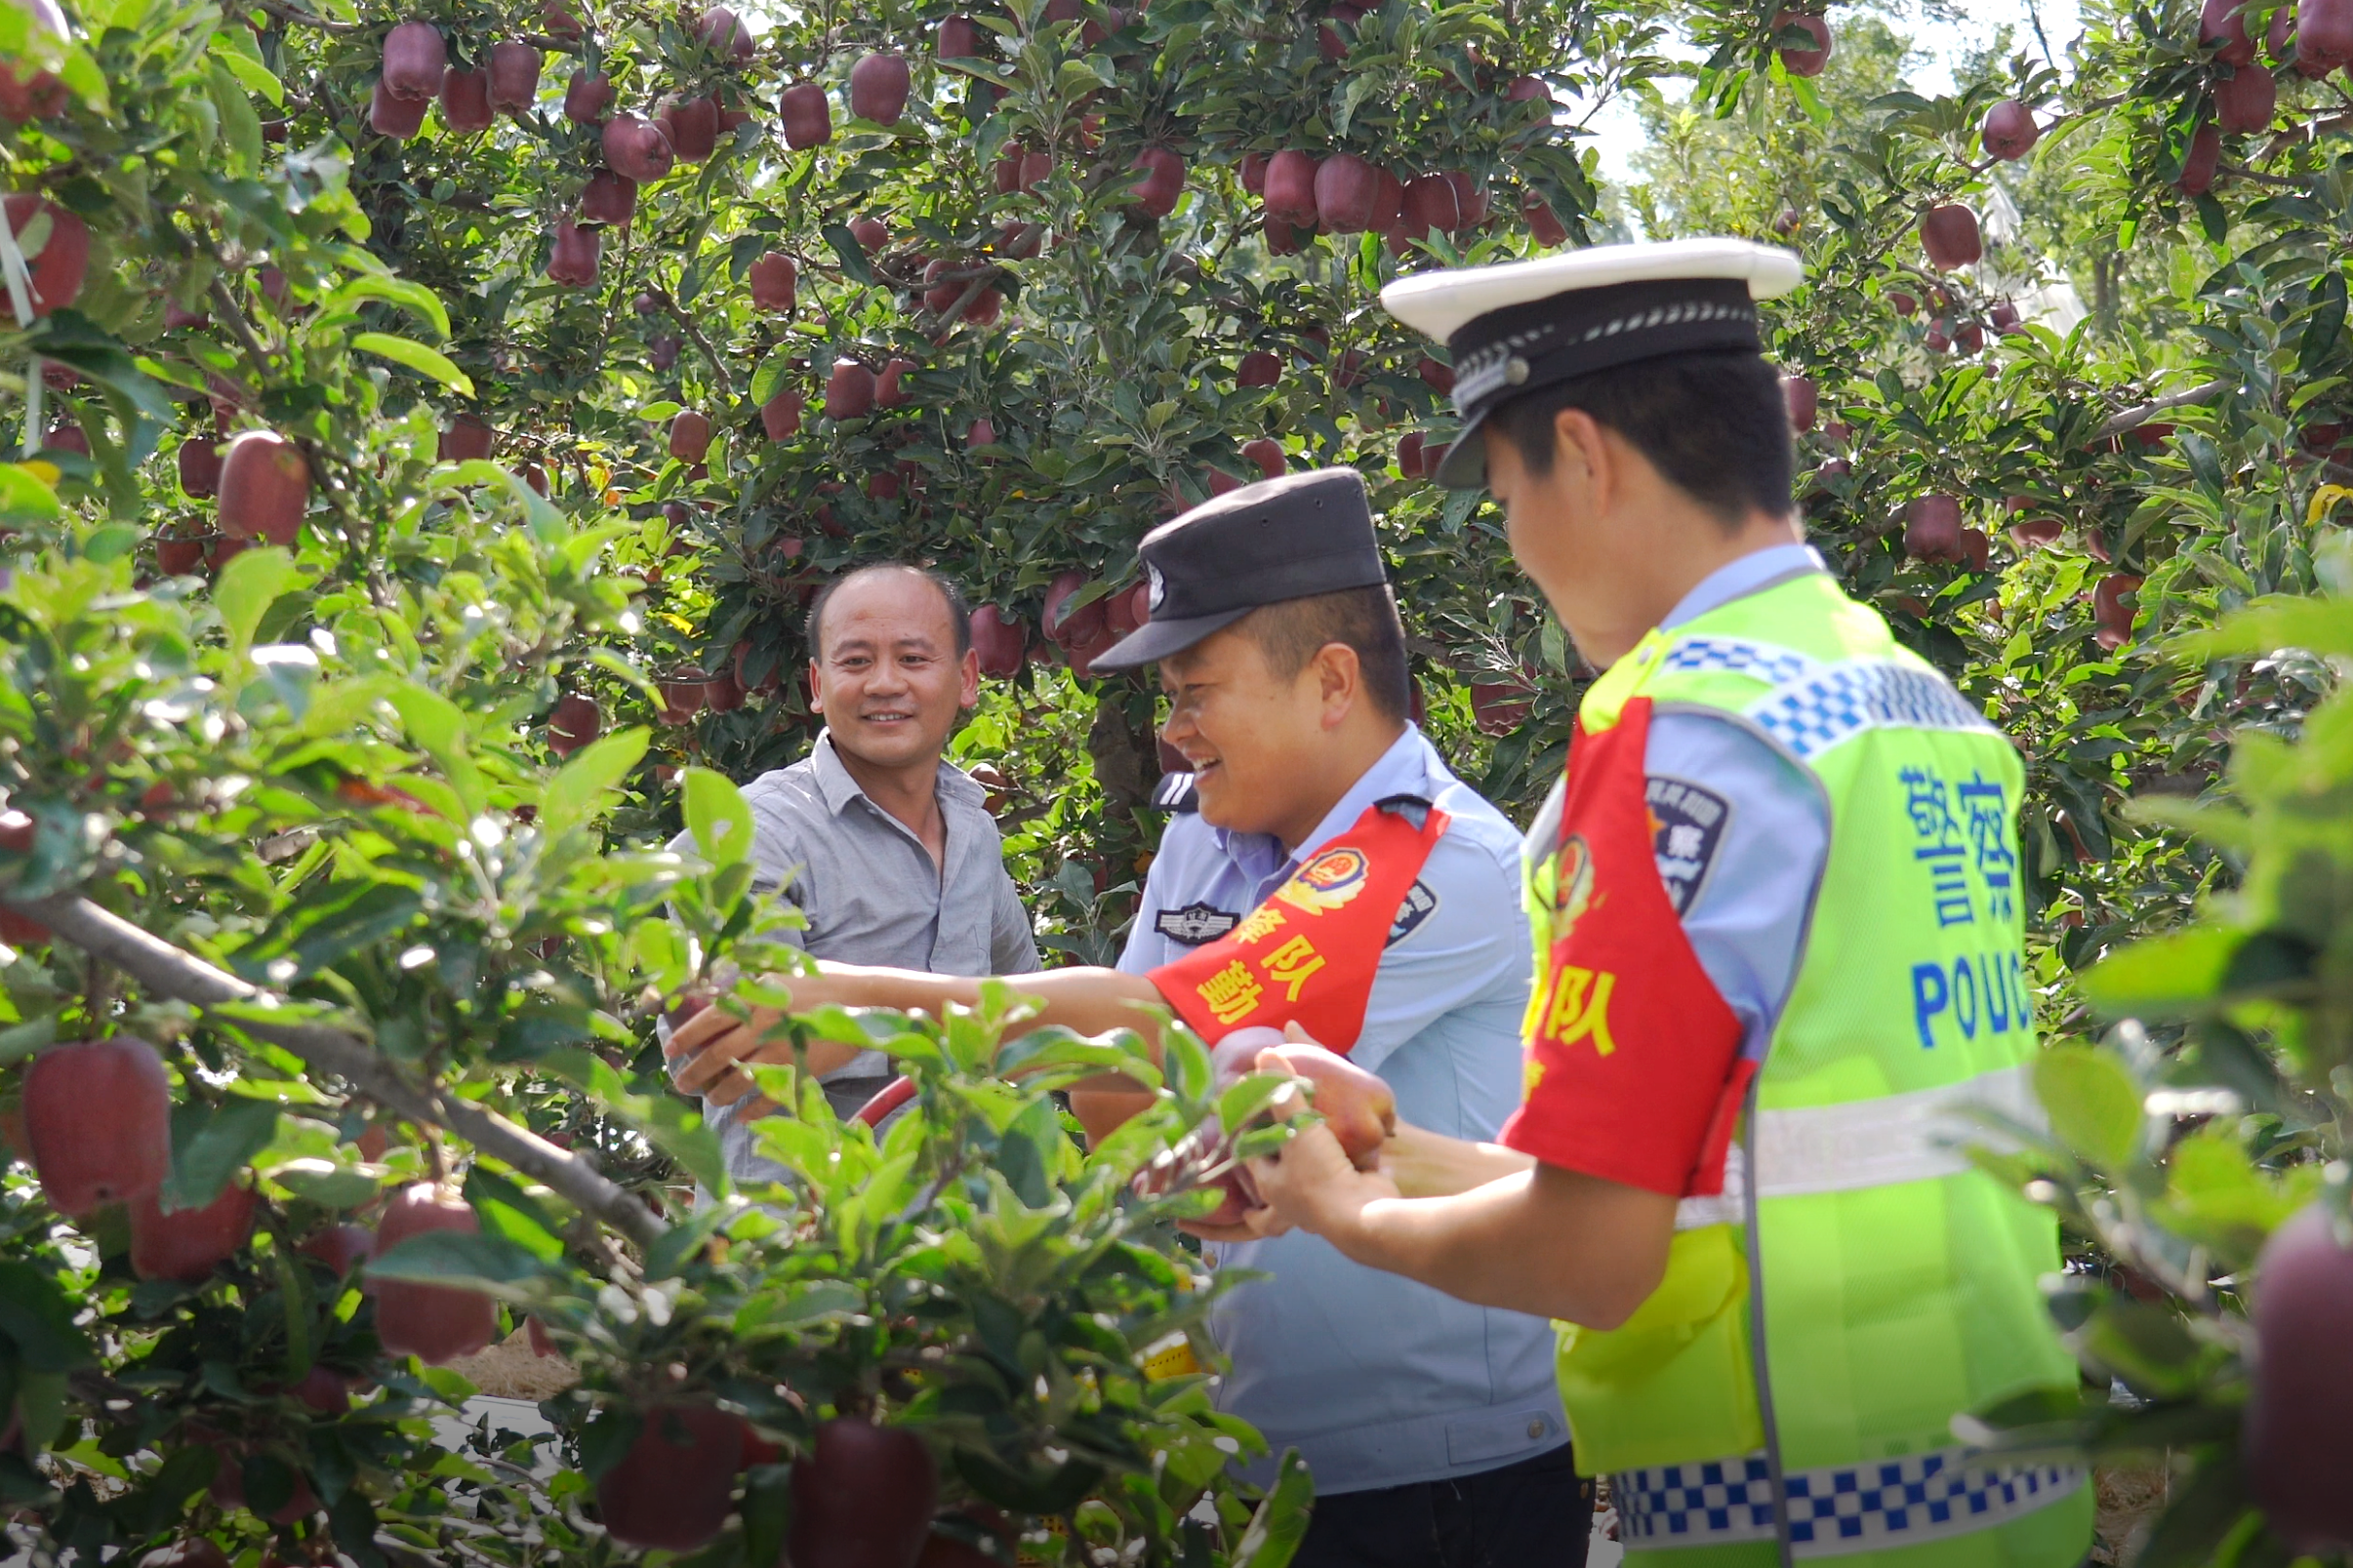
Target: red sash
[(1634, 1065), (1308, 953)]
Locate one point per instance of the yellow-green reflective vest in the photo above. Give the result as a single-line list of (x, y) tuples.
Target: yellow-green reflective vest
[(1900, 1284)]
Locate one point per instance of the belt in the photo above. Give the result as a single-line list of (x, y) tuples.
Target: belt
[(1910, 1137), (1833, 1511)]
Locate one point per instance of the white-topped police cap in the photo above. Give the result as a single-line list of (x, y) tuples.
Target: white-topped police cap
[(1290, 538), (1518, 327)]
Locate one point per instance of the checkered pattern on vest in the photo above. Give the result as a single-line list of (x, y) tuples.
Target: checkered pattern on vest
[(1845, 1509), (1763, 660), (1840, 702)]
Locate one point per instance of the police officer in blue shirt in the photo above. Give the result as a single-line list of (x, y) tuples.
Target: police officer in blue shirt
[(1433, 1428)]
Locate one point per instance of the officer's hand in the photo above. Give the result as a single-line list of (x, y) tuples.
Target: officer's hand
[(1311, 1184)]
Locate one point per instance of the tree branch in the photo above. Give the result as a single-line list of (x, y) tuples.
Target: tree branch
[(2139, 414), (166, 971), (303, 19), (718, 366)]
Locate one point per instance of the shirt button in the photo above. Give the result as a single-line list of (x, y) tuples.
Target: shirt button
[(1535, 1429)]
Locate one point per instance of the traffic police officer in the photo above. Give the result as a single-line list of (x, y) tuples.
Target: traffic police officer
[(1326, 871), (1778, 926)]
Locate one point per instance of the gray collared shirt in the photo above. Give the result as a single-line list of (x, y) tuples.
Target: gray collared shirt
[(872, 895)]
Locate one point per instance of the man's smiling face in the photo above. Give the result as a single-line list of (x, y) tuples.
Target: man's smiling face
[(888, 680)]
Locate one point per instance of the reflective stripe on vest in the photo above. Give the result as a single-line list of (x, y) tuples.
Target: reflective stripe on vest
[(1912, 1136), (1836, 1511)]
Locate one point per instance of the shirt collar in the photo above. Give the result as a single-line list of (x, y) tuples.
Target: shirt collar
[(1411, 766), (834, 783), (1738, 580)]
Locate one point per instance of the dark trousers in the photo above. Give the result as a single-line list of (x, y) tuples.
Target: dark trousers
[(1537, 1513)]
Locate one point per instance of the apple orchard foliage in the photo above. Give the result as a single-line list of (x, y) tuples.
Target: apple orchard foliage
[(574, 451)]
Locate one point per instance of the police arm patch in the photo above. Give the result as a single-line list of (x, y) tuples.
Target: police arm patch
[(1686, 830), (1195, 923), (1418, 905)]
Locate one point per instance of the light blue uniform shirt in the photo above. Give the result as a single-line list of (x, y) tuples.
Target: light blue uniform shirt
[(1379, 1381), (1746, 915)]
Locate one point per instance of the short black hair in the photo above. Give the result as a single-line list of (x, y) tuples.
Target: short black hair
[(1292, 632), (1716, 425), (959, 616)]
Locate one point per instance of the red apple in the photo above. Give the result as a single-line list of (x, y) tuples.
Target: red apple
[(2035, 533), (63, 437), (97, 1122), (1258, 369), (722, 693), (1903, 304), (808, 117), (609, 198), (2110, 613), (689, 436), (1291, 187), (265, 488), (1000, 639), (879, 85), (1800, 62), (1803, 402), (1471, 198), (692, 126), (2009, 132), (573, 722), (982, 433), (514, 76), (1542, 222), (1949, 234), (775, 282), (200, 466), (863, 1496), (1071, 626), (682, 697), (1282, 239), (849, 390), (468, 437), (436, 1323), (557, 17), (670, 1490), (2279, 39), (1969, 337), (723, 33), (2246, 101), (1409, 454), (398, 118), (872, 234), (2323, 35), (465, 101), (586, 98), (1976, 548), (2222, 27), (1439, 377), (960, 38), (637, 148), (1346, 188), (1933, 529), (1267, 455), (780, 414), (1253, 173), (2297, 1442), (2199, 167), (1163, 181), (1431, 202), (1499, 708), (571, 259), (890, 390), (61, 261), (1528, 89), (187, 1244), (327, 1392), (2002, 317), (414, 60), (1331, 43)]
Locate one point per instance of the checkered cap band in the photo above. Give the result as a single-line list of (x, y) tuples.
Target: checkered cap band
[(1840, 702), (1507, 352), (1832, 1511)]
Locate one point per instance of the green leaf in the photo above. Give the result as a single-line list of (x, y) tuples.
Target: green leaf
[(1280, 1523), (2164, 975), (248, 585), (26, 497), (852, 253), (717, 818), (212, 1143), (234, 49), (485, 1263), (412, 297), (431, 363), (593, 772), (436, 724), (2093, 1105), (39, 1317)]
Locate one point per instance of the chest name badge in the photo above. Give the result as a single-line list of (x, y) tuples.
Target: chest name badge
[(1195, 923)]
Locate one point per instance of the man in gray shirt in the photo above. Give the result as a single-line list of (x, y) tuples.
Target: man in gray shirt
[(884, 846)]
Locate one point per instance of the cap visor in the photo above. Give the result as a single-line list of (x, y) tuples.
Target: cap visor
[(1157, 639), (1465, 465)]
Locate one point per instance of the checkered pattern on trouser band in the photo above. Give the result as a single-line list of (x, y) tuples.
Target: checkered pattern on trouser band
[(1854, 1508), (1813, 714), (1764, 660)]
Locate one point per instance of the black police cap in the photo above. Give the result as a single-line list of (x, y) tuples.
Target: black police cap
[(1522, 326), (1290, 538)]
